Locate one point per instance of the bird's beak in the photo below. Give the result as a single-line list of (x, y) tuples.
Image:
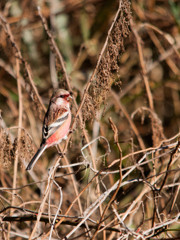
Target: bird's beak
[(69, 97)]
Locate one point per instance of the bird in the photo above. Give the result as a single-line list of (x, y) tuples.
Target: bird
[(56, 123)]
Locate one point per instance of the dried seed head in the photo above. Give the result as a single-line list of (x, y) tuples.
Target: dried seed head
[(109, 64)]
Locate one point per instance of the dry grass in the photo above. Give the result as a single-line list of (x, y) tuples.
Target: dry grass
[(119, 178)]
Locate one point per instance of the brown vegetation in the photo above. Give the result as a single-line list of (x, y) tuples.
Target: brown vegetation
[(119, 177)]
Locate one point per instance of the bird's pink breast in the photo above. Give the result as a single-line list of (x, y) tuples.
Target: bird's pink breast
[(60, 133)]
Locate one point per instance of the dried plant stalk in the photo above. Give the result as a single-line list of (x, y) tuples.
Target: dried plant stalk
[(108, 63)]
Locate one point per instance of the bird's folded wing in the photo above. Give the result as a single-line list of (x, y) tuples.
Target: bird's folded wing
[(53, 122)]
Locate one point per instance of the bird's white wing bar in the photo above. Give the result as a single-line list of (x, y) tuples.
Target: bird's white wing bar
[(52, 128)]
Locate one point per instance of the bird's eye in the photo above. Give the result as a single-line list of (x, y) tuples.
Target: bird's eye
[(61, 96)]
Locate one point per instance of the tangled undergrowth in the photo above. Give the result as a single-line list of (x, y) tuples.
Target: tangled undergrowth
[(119, 176)]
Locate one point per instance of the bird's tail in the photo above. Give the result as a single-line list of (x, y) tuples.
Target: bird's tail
[(36, 156)]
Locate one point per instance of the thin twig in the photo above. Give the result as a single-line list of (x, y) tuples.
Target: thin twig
[(169, 164), (142, 63), (133, 126), (19, 132)]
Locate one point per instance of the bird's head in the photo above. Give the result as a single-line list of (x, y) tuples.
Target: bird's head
[(61, 97)]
